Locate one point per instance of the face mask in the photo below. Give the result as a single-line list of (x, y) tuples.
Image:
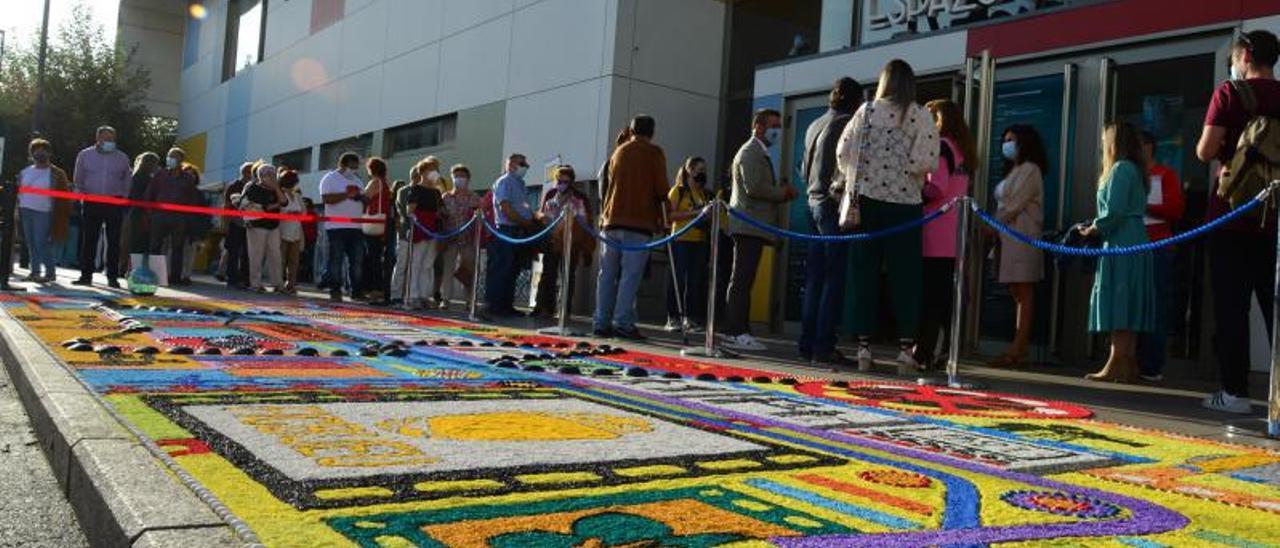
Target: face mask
[(700, 178), (171, 162), (773, 136), (40, 156), (1010, 150), (433, 176), (1235, 73), (461, 182), (522, 171), (562, 185), (108, 146)]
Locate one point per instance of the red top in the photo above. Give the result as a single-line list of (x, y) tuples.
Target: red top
[(1226, 110), (1170, 207)]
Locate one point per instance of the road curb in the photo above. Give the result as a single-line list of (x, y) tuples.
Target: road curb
[(121, 494)]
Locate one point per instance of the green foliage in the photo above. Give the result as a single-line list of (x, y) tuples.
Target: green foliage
[(87, 83)]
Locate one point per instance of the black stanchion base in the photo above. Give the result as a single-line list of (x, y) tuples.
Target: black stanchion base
[(701, 352), (1254, 427)]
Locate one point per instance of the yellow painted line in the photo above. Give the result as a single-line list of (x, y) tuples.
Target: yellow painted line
[(353, 493), (458, 485), (557, 477), (654, 470)]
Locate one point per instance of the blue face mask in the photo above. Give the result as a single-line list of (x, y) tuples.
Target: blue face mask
[(522, 171), (1010, 150), (773, 136), (108, 146)]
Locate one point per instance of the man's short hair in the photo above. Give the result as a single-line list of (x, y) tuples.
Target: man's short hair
[(845, 94), (643, 125), (39, 143), (1262, 45), (347, 158), (460, 168), (763, 115), (517, 157)]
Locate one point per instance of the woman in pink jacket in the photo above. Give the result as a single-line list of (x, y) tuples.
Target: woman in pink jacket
[(950, 180)]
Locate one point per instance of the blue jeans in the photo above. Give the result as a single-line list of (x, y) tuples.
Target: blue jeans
[(344, 243), (1153, 346), (823, 285), (619, 281), (35, 235), (690, 266), (500, 272)]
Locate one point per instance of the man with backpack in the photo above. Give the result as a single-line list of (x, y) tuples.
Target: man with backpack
[(1239, 130)]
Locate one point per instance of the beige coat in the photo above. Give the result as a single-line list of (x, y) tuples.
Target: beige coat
[(1020, 204), (756, 192)]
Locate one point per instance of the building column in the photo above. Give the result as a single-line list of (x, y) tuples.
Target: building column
[(836, 31)]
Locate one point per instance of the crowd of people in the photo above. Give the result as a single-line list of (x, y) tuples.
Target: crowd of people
[(867, 166)]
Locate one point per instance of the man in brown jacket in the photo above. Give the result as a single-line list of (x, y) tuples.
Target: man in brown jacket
[(633, 209)]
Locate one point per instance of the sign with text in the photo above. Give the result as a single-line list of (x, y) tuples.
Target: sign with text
[(888, 19)]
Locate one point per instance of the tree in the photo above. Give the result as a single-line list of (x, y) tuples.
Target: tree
[(88, 83)]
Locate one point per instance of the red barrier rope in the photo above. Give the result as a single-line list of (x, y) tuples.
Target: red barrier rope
[(180, 208)]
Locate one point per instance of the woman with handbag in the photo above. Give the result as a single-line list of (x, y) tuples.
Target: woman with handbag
[(1123, 300), (263, 194), (884, 153), (376, 206), (1020, 204)]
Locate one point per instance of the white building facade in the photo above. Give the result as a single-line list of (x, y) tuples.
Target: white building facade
[(469, 81)]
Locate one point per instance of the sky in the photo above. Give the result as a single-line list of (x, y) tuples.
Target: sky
[(21, 21)]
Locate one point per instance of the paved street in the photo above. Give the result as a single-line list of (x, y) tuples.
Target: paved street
[(33, 510)]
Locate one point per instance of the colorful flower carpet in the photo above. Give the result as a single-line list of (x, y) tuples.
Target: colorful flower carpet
[(331, 425)]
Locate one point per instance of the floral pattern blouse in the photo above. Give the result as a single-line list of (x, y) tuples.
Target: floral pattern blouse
[(891, 151)]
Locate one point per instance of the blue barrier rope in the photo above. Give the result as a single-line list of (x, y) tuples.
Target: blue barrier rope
[(855, 237), (528, 240), (1119, 250), (444, 235), (582, 221)]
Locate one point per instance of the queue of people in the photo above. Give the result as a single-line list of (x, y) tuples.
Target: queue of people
[(866, 167)]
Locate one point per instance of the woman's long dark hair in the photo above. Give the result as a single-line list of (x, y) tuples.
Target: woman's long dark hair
[(951, 124), (1030, 148)]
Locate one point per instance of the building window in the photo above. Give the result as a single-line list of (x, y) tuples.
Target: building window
[(298, 160), (329, 152), (431, 133), (246, 30)]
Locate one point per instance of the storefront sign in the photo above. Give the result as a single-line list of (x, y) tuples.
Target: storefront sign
[(887, 19)]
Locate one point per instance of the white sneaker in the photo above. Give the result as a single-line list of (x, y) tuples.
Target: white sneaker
[(1222, 401), (864, 360), (673, 326), (746, 343), (907, 364)]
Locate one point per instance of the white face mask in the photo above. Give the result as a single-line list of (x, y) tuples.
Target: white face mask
[(461, 182), (522, 171), (1235, 73), (772, 136), (433, 175), (171, 162)]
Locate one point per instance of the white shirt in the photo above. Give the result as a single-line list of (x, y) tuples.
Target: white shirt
[(291, 231), (34, 177), (337, 182)]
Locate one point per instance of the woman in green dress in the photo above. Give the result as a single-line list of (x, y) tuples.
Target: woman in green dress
[(1123, 298)]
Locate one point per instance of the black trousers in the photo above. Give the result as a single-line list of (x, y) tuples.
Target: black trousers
[(237, 245), (935, 314), (93, 219), (746, 261), (548, 297), (173, 228), (1242, 267)]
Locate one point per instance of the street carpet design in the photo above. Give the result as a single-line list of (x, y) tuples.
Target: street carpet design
[(333, 425)]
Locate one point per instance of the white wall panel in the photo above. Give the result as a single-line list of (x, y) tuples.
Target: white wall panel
[(686, 122), (460, 15), (539, 126), (544, 56), (320, 114), (683, 51), (474, 65), (410, 86), (360, 102), (287, 24), (354, 6), (413, 24), (288, 121), (364, 37)]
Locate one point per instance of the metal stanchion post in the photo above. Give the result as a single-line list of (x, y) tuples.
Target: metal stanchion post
[(474, 314), (709, 350), (406, 302), (8, 202), (962, 251), (566, 269)]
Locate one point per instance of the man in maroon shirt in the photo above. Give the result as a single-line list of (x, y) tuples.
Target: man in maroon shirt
[(1242, 254)]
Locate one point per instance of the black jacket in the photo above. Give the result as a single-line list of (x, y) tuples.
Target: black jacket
[(820, 141)]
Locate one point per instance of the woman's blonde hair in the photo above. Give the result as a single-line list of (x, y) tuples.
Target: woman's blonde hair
[(897, 84), (1122, 141)]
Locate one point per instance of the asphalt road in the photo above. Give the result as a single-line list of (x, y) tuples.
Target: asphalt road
[(33, 510)]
